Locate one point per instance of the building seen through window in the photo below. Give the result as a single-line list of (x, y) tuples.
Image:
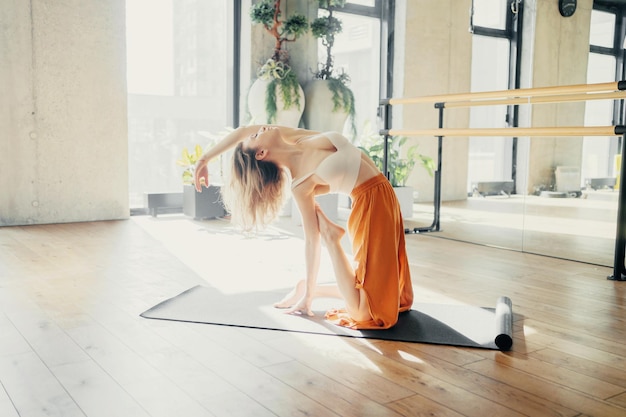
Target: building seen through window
[(178, 78)]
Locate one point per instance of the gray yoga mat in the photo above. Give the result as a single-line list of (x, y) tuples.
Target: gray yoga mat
[(447, 324)]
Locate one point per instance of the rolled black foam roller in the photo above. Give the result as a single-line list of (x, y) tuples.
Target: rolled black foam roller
[(504, 323)]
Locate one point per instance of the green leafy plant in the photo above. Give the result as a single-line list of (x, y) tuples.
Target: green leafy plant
[(189, 159), (282, 78), (188, 162), (277, 69), (399, 168), (326, 28), (267, 13)]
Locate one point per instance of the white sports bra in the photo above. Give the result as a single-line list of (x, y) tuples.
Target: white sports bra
[(339, 170)]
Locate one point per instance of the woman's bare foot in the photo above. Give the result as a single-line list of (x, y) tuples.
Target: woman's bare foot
[(330, 231), (293, 297)]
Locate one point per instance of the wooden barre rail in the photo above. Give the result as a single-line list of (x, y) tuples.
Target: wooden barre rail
[(516, 93), (616, 95), (513, 131)]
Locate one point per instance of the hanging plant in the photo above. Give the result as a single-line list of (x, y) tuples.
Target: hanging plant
[(343, 98), (280, 77)]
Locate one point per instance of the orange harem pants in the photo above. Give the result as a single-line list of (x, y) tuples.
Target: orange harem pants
[(377, 231)]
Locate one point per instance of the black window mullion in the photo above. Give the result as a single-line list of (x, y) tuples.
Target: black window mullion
[(236, 84), (619, 110), (514, 27), (387, 44)]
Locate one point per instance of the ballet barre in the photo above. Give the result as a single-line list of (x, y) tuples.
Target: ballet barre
[(541, 95), (525, 93), (615, 95), (514, 131)]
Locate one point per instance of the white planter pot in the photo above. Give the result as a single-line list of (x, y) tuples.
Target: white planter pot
[(318, 113), (285, 117), (405, 198)]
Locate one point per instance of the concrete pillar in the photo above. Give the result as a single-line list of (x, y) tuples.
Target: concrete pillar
[(63, 123), (433, 56), (560, 51)]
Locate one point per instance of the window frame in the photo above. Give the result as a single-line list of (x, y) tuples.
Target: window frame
[(616, 51)]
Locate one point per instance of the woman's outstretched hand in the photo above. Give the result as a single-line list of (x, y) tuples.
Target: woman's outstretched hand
[(201, 175)]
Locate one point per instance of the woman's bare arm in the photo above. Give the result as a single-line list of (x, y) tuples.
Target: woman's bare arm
[(201, 175), (305, 198)]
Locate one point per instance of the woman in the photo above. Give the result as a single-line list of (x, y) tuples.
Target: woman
[(264, 159)]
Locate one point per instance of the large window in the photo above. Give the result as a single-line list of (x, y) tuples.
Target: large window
[(490, 157), (179, 59), (181, 90), (357, 52), (495, 46)]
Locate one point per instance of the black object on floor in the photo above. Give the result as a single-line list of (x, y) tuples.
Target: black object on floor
[(447, 324)]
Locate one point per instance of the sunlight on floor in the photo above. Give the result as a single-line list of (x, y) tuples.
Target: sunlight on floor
[(342, 350), (410, 357), (529, 331), (231, 261)]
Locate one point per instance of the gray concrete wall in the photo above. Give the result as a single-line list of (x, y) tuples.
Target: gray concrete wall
[(560, 55), (433, 53), (63, 123)]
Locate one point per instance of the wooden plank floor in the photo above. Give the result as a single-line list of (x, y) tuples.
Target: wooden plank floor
[(72, 342)]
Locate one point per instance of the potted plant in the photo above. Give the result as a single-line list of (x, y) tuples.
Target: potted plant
[(398, 168), (328, 89), (205, 204), (276, 87)]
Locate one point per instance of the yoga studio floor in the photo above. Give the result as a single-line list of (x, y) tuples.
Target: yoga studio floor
[(72, 342)]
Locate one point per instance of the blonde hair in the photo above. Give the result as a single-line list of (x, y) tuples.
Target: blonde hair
[(256, 191)]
